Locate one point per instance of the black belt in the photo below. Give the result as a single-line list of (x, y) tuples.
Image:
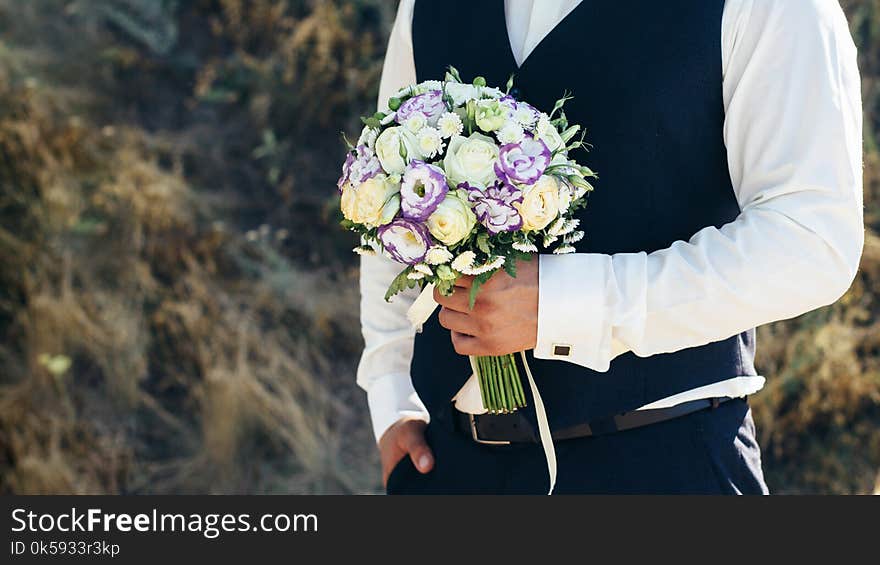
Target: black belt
[(503, 429)]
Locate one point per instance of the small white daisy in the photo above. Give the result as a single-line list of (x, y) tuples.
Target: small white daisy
[(464, 261), (368, 137), (438, 255), (364, 251), (511, 132), (424, 269), (427, 85), (569, 227), (573, 237), (556, 227), (416, 122), (430, 142), (450, 124), (415, 276), (495, 263), (549, 240), (525, 116), (563, 250), (525, 247)]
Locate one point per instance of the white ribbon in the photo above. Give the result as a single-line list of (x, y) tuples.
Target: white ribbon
[(422, 308), (543, 425), (419, 312)]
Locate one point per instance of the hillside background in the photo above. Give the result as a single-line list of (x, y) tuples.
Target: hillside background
[(177, 304)]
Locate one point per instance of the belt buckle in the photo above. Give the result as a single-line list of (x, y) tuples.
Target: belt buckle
[(476, 436)]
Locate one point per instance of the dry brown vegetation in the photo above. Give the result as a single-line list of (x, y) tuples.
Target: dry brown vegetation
[(161, 330)]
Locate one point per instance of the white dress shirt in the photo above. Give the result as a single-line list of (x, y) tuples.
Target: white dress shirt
[(793, 132)]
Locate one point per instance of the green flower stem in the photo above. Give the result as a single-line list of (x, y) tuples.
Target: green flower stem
[(505, 379), (501, 388), (482, 381), (486, 383)]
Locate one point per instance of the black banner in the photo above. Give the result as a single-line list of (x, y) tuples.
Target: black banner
[(290, 529)]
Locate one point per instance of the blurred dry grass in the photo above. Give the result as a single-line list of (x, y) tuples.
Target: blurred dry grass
[(161, 329)]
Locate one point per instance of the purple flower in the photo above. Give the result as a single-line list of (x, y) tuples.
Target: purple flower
[(494, 206), (508, 101), (359, 167), (346, 171), (405, 241), (522, 162), (422, 189), (430, 104)]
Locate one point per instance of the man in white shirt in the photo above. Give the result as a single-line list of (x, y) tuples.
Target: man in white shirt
[(629, 306)]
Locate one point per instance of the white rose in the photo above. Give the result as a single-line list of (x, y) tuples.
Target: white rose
[(548, 134), (471, 160), (540, 204), (452, 221), (374, 203), (388, 149)]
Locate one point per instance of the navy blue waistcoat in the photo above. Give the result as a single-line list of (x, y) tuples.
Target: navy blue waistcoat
[(647, 82)]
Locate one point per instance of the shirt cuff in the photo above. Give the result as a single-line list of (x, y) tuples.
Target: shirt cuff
[(392, 398), (575, 306)]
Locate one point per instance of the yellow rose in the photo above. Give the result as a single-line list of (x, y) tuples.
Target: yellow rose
[(346, 203), (373, 203), (452, 221), (540, 204)]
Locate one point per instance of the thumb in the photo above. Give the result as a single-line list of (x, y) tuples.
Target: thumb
[(413, 441)]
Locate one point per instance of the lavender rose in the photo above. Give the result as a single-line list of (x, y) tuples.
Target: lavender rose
[(495, 206), (405, 241), (523, 162), (422, 190), (430, 105)]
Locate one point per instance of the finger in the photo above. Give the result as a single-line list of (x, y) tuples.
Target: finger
[(458, 300), (458, 322), (467, 344), (413, 441)]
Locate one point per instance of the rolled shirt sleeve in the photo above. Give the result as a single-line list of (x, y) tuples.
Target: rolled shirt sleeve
[(388, 336), (793, 131)]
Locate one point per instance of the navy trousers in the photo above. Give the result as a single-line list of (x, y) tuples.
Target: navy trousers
[(712, 451)]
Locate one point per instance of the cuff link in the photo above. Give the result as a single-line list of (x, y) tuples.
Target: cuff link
[(561, 350)]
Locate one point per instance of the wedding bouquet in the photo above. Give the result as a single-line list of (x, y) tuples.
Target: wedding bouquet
[(462, 179)]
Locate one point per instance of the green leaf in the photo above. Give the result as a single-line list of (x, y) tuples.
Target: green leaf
[(483, 243), (371, 122), (510, 266), (445, 287), (399, 284), (479, 281)]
